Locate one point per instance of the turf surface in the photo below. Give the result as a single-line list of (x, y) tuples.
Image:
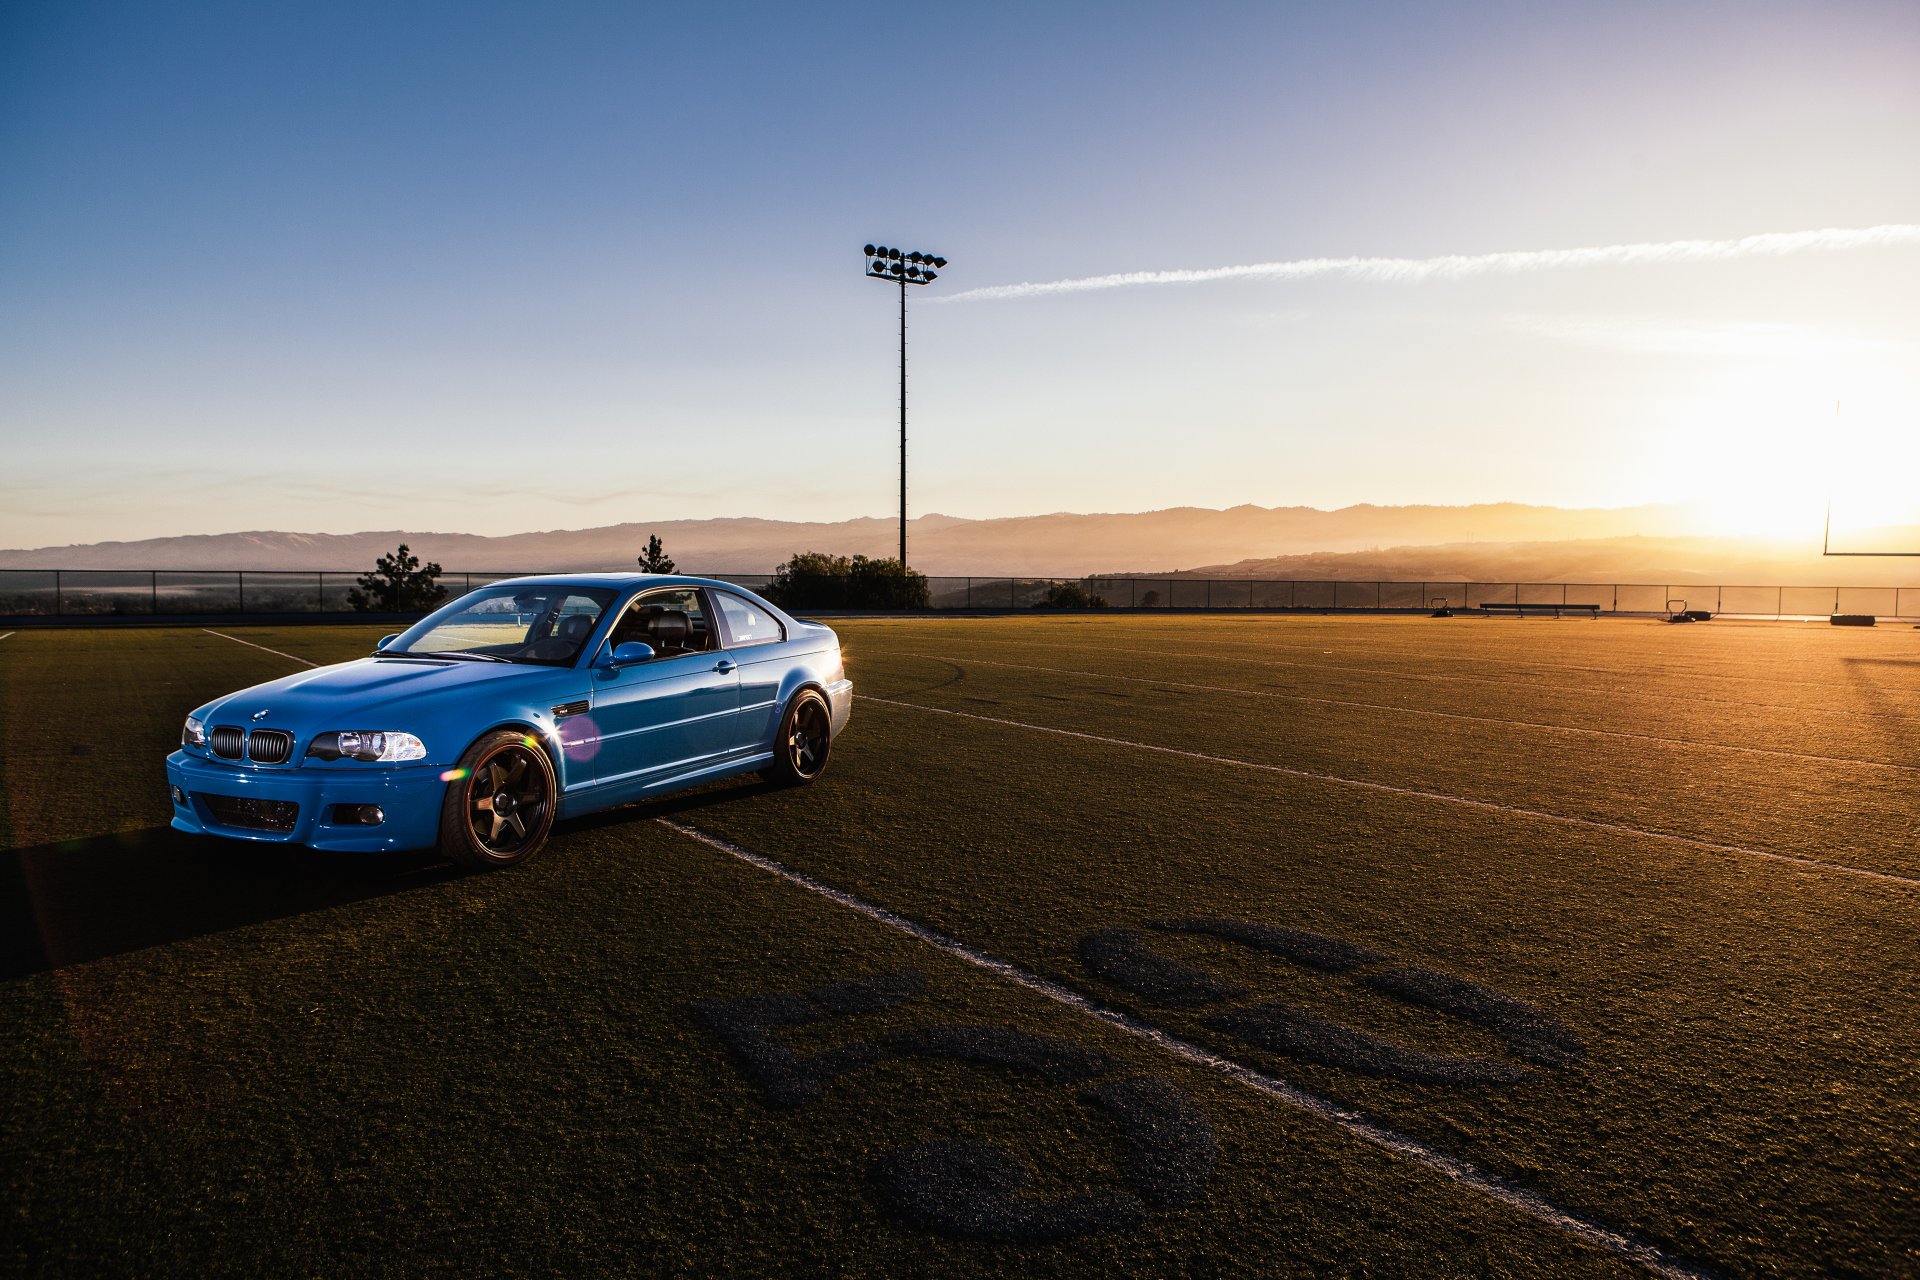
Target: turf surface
[(1455, 876)]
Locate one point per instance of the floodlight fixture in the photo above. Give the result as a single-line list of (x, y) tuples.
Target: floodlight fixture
[(892, 265)]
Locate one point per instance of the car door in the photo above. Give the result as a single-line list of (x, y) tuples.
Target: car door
[(755, 639), (674, 712)]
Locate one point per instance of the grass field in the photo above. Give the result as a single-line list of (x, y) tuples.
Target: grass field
[(1576, 949)]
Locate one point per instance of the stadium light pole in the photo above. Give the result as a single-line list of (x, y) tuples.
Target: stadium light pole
[(904, 269)]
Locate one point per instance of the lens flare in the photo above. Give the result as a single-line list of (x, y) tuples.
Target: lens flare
[(454, 775)]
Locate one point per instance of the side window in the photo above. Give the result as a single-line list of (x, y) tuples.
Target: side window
[(672, 620), (746, 623)]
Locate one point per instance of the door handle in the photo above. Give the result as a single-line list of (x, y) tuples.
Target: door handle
[(723, 666)]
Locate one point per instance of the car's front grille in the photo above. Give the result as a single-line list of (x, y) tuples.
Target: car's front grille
[(228, 741), (269, 746), (256, 815)]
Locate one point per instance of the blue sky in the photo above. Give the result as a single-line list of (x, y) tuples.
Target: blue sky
[(490, 267)]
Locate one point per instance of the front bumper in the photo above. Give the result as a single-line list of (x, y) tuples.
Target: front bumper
[(409, 796), (839, 705)]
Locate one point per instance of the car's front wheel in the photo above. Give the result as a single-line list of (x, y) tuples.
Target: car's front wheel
[(499, 805), (806, 737)]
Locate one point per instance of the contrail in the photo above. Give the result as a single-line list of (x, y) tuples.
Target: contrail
[(1774, 244)]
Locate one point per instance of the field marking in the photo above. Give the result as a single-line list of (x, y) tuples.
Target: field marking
[(1441, 715), (251, 645), (1489, 806), (10, 633), (1352, 1122), (1588, 690), (1403, 655)]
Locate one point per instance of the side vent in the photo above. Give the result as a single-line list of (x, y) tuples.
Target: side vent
[(566, 709)]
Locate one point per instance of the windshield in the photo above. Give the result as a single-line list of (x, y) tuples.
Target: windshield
[(541, 625)]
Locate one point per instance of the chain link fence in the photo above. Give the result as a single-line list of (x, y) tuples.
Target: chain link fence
[(95, 593)]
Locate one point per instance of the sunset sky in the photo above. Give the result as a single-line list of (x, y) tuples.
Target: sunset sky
[(498, 267)]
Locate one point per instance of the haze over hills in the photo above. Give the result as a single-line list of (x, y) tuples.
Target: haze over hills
[(1675, 560), (1489, 542), (1060, 543)]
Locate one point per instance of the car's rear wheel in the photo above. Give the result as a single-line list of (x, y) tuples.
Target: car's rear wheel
[(499, 806), (805, 740)]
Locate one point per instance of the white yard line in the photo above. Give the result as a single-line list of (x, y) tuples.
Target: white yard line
[(1352, 1122), (1397, 654), (251, 645), (1442, 797), (1439, 715), (1584, 690)]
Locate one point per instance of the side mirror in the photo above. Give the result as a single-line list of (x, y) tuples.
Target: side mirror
[(631, 651), (385, 641)]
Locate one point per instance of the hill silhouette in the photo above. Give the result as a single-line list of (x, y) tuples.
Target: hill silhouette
[(1488, 541)]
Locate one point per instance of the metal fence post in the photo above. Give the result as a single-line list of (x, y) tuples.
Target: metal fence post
[(1376, 597), (153, 589), (242, 575), (58, 608)]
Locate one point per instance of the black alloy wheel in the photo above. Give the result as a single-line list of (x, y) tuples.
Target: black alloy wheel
[(500, 805), (805, 740)]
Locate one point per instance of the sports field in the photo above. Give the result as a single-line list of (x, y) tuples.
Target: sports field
[(1259, 946)]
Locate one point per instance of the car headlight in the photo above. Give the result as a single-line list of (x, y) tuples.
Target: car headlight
[(367, 744), (193, 733)]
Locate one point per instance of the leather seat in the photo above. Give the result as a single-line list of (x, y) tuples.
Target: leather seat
[(669, 630), (565, 642)]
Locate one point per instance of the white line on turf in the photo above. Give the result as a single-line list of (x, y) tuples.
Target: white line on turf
[(1443, 797), (1677, 673), (251, 645), (1439, 715), (1352, 1122), (1589, 690), (10, 633)]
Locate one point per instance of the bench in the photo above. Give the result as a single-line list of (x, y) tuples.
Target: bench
[(1557, 610)]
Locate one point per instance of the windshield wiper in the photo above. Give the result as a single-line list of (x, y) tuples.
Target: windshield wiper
[(450, 653)]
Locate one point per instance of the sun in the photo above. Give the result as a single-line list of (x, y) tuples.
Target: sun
[(1763, 449)]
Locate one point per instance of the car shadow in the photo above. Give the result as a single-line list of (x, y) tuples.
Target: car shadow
[(79, 900)]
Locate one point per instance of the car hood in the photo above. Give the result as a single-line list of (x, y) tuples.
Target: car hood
[(370, 693)]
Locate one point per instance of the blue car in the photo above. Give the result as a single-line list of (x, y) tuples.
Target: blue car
[(518, 704)]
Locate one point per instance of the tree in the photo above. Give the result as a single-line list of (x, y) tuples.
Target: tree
[(656, 559), (1070, 595), (817, 580), (399, 583)]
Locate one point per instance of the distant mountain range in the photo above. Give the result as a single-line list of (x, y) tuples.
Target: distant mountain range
[(1491, 541), (1062, 543), (1672, 560)]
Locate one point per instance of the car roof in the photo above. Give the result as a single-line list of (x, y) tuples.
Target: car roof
[(617, 580)]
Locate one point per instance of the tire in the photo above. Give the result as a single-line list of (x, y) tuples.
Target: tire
[(500, 808), (805, 740)]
